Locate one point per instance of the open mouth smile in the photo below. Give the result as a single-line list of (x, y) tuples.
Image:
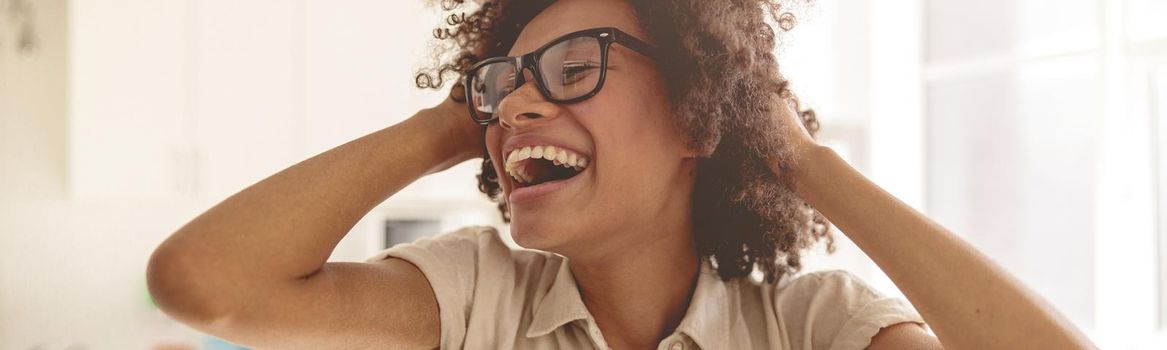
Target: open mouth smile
[(540, 169)]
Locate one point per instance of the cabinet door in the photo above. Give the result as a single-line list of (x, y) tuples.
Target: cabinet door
[(184, 97), (129, 99), (247, 91), (360, 60)]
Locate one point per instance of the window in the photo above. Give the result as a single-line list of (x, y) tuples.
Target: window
[(1159, 113), (1043, 129)]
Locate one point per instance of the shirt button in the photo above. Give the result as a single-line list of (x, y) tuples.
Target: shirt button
[(677, 346)]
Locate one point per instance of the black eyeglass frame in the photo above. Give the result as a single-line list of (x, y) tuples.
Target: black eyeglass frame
[(604, 35)]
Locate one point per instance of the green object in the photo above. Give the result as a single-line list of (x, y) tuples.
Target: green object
[(147, 298)]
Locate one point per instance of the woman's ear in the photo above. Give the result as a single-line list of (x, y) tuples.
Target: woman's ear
[(700, 144), (692, 150), (700, 149)]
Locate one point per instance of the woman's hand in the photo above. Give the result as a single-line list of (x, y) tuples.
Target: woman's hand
[(451, 120), (797, 141)]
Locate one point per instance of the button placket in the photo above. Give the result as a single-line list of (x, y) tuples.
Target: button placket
[(673, 342)]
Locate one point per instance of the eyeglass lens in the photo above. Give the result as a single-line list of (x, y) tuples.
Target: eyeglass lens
[(570, 68)]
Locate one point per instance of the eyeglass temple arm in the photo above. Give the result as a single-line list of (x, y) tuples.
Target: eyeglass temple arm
[(634, 43)]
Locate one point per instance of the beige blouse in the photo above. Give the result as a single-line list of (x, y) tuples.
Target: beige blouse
[(493, 297)]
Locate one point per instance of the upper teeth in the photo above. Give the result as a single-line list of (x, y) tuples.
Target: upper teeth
[(557, 155)]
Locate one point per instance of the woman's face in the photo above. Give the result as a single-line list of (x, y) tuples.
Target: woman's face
[(639, 171)]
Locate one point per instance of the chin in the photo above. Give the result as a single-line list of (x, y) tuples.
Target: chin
[(536, 233)]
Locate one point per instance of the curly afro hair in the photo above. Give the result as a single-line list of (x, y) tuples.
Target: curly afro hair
[(725, 89)]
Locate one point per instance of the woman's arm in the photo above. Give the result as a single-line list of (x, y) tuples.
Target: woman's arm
[(969, 301), (253, 269)]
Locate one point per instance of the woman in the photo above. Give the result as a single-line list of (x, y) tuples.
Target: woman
[(650, 156)]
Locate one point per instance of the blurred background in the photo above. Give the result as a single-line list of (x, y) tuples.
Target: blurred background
[(1030, 128)]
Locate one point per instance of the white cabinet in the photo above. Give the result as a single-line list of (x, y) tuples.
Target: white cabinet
[(247, 86), (129, 98), (181, 98), (359, 63), (186, 98)]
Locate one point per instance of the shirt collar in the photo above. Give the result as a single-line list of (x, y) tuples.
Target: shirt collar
[(560, 305), (706, 320)]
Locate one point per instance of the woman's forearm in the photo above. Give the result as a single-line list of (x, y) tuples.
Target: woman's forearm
[(285, 227), (969, 301)]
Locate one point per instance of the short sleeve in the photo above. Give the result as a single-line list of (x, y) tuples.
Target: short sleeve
[(835, 310), (450, 262)]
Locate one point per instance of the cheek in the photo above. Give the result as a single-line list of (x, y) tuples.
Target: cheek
[(624, 145), (634, 121), (637, 106), (635, 130), (493, 144)]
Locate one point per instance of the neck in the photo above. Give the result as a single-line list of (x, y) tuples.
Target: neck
[(639, 295), (638, 282)]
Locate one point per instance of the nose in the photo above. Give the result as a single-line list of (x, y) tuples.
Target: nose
[(525, 105)]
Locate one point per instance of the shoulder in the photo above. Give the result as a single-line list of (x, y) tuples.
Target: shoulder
[(835, 309), (824, 284), (472, 269)]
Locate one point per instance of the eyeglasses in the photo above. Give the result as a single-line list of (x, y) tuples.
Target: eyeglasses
[(568, 69)]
